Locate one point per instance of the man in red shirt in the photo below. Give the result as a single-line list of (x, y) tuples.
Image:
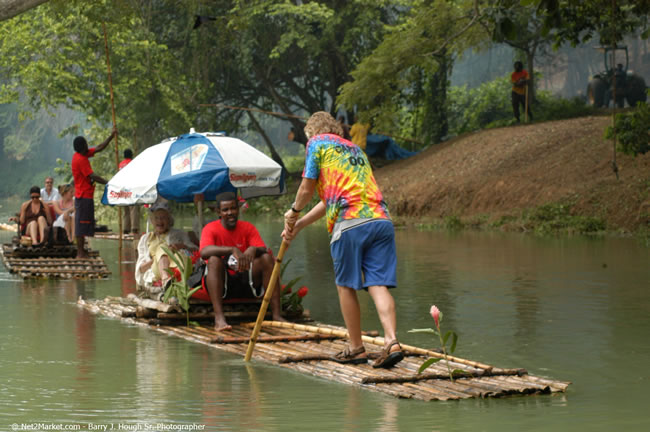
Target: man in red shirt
[(84, 186), (238, 262), (519, 80), (131, 213)]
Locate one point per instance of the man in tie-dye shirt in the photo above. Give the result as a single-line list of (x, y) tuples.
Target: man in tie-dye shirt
[(362, 235)]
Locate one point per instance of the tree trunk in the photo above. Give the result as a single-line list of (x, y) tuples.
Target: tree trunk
[(11, 8), (530, 59), (274, 154)]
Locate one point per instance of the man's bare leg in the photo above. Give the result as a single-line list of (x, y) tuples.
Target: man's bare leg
[(214, 282), (351, 315), (81, 252), (385, 305)]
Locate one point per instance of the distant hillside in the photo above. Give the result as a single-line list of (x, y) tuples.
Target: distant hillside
[(502, 171)]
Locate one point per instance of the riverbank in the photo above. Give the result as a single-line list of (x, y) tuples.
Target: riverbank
[(553, 176)]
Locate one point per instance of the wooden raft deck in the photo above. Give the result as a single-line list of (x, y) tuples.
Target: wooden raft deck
[(109, 235), (56, 262), (305, 348)]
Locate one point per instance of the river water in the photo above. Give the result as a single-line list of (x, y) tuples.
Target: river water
[(574, 309)]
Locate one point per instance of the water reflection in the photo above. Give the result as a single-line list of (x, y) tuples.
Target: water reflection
[(575, 309)]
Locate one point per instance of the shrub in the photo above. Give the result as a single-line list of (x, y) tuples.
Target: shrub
[(632, 130)]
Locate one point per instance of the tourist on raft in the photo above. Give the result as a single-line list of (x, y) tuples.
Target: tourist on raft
[(35, 219), (64, 210), (238, 263), (362, 235), (153, 262), (49, 193)]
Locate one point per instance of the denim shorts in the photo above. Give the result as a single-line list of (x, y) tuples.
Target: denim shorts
[(365, 255)]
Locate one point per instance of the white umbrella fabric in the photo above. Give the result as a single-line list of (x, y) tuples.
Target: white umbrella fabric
[(195, 163)]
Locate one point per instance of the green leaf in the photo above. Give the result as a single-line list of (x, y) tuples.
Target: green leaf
[(427, 363), (195, 324), (446, 337), (460, 372), (454, 339)]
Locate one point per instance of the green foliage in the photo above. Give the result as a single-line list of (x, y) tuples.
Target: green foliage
[(483, 107), (632, 130), (393, 75), (578, 21), (179, 289), (489, 106), (557, 217)]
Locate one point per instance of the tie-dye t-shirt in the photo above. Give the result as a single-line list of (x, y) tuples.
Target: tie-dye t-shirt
[(344, 180)]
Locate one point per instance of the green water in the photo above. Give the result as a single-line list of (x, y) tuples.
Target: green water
[(574, 309)]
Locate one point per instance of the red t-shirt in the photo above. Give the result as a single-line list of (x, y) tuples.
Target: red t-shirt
[(243, 236), (81, 169), (516, 76), (124, 163)]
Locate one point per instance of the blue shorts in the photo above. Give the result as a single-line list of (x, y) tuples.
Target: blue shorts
[(365, 255)]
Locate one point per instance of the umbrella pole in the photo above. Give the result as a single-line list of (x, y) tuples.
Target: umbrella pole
[(267, 298), (117, 157)]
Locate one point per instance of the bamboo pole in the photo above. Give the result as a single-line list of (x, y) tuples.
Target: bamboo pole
[(117, 157), (438, 375), (267, 298), (526, 104), (273, 339), (375, 341)]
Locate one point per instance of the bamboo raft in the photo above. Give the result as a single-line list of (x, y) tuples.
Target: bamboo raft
[(309, 348), (55, 262), (109, 235)]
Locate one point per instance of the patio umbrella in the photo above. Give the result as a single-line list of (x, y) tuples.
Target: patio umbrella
[(195, 163)]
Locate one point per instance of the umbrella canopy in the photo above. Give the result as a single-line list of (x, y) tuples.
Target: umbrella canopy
[(207, 163)]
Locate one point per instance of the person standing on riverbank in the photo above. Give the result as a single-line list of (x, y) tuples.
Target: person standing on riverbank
[(518, 95), (362, 234), (84, 184)]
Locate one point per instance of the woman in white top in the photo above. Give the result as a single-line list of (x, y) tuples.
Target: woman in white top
[(64, 209)]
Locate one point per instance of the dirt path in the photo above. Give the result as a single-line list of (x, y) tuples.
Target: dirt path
[(500, 172)]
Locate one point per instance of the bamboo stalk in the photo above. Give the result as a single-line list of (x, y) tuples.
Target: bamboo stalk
[(117, 157), (375, 341), (265, 302), (270, 339), (436, 375)]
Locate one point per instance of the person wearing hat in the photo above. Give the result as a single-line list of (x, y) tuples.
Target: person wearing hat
[(152, 264)]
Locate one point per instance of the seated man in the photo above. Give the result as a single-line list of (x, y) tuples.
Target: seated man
[(238, 263), (35, 218)]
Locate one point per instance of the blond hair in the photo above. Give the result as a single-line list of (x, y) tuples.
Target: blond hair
[(322, 122)]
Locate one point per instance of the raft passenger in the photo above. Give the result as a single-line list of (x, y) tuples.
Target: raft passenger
[(238, 263), (35, 219), (152, 264)]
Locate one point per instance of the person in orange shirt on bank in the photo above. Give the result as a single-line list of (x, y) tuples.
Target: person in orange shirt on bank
[(519, 80)]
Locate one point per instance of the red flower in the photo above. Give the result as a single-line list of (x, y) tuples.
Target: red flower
[(303, 291), (286, 289), (177, 274)]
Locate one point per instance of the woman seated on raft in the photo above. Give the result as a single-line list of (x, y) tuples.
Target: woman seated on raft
[(35, 218), (152, 264), (64, 209)]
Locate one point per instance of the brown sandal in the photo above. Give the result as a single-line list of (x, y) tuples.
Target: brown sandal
[(358, 356), (388, 359)]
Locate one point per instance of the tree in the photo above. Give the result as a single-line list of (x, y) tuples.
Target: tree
[(411, 65), (577, 21), (55, 57), (291, 57), (11, 8)]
